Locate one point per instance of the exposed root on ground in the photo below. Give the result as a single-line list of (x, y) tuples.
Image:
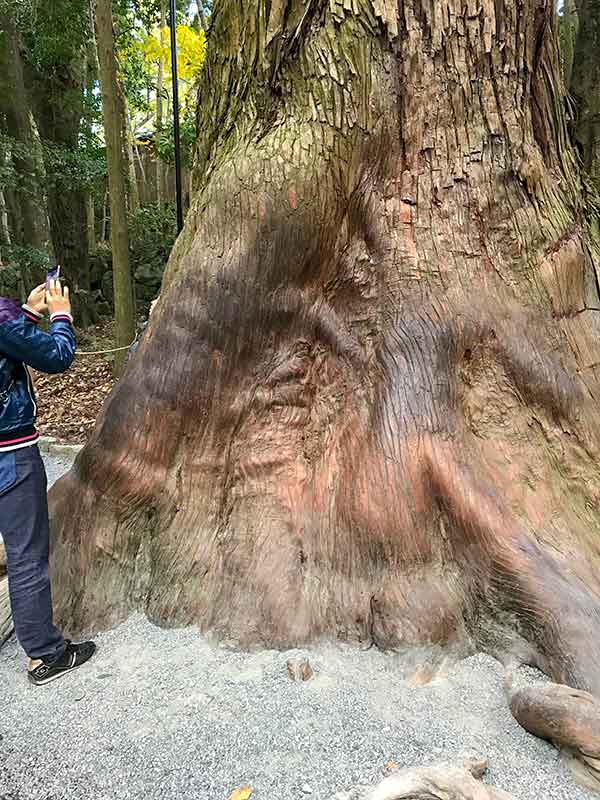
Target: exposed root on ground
[(441, 782), (569, 718)]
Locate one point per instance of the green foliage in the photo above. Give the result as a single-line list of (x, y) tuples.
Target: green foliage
[(24, 268), (152, 234), (83, 169), (11, 151), (568, 27), (55, 33), (9, 178), (165, 143), (134, 70), (57, 45), (29, 259)]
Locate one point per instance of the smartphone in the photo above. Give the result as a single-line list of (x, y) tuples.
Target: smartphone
[(52, 275)]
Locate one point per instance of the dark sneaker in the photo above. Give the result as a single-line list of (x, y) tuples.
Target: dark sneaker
[(45, 670)]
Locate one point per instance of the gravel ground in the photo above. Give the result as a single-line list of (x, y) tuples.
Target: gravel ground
[(166, 714)]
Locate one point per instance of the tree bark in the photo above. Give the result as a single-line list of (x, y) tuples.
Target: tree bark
[(5, 237), (91, 225), (13, 211), (133, 188), (585, 86), (201, 17), (15, 106), (104, 228), (114, 127), (365, 407)]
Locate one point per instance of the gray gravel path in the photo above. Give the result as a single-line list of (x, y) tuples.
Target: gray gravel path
[(166, 714), (56, 466)]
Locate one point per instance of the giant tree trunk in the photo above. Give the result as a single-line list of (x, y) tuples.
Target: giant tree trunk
[(114, 126), (366, 406)]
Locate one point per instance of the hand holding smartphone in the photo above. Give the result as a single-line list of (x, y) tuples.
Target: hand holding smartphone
[(50, 295), (52, 275), (57, 296)]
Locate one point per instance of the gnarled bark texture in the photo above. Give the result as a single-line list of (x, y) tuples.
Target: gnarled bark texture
[(365, 407)]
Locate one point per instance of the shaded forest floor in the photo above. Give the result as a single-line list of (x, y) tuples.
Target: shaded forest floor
[(69, 404)]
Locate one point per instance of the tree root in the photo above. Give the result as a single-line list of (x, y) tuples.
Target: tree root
[(6, 624), (441, 782), (567, 717)]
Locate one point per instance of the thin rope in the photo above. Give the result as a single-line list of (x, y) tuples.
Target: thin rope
[(104, 352)]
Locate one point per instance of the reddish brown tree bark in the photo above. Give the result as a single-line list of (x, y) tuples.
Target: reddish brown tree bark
[(366, 405)]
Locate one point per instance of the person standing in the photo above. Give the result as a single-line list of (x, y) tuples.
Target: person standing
[(23, 483)]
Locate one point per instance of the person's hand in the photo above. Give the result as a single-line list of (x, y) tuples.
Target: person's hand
[(57, 299), (37, 299)]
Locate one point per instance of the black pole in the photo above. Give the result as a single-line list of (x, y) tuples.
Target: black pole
[(176, 116)]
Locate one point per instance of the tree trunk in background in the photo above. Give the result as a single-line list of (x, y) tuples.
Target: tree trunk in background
[(104, 229), (201, 17), (15, 224), (366, 405), (58, 102), (131, 185), (114, 127), (4, 228), (91, 78), (142, 172), (16, 108), (160, 84), (133, 191), (568, 38), (585, 86), (91, 225)]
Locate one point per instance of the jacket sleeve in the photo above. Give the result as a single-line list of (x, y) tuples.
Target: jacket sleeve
[(50, 352)]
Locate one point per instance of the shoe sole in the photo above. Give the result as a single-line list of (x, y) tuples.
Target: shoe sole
[(58, 675)]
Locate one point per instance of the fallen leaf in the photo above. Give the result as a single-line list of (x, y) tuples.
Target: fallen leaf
[(391, 765), (241, 794)]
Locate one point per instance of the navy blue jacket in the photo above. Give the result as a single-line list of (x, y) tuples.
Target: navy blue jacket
[(21, 344)]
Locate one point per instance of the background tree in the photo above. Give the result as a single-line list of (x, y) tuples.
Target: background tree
[(115, 131), (56, 68), (25, 147), (366, 406), (585, 86), (568, 37), (60, 153), (160, 169)]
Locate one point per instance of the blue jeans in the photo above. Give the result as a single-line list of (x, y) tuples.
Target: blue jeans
[(24, 528)]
